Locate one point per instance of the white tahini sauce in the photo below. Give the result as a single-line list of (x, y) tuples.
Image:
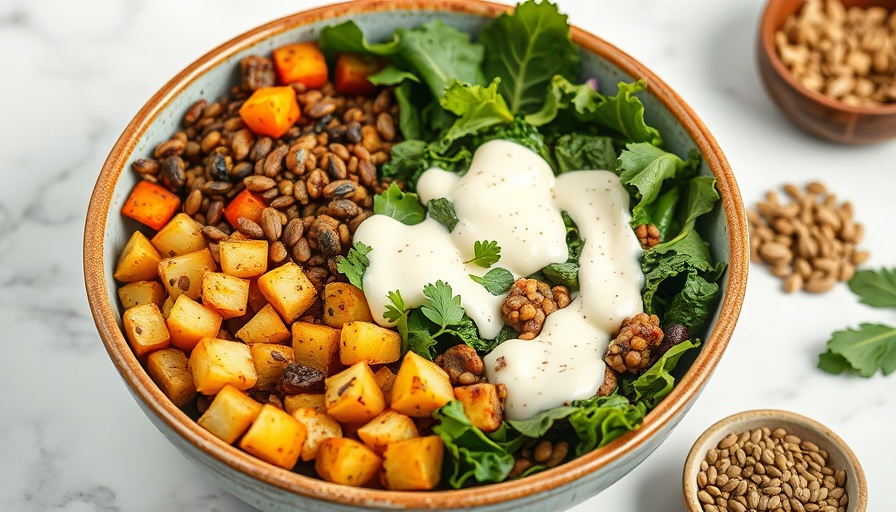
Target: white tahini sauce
[(510, 195)]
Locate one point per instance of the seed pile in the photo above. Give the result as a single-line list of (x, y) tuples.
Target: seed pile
[(768, 469), (847, 54), (810, 242)]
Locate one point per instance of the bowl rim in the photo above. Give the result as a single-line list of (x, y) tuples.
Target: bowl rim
[(768, 27), (145, 389)]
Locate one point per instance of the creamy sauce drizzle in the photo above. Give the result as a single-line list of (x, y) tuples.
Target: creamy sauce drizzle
[(510, 195)]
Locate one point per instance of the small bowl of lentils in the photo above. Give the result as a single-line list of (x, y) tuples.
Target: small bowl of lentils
[(772, 460)]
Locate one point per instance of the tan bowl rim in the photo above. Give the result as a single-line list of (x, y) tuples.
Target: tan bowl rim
[(767, 44), (144, 388)]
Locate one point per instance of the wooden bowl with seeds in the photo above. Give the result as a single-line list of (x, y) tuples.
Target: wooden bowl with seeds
[(756, 460), (830, 66)]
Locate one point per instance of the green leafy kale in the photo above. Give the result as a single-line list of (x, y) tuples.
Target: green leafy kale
[(485, 253), (645, 168), (602, 419), (442, 210), (497, 280), (441, 54), (402, 206), (657, 382), (470, 453), (579, 152), (409, 121), (411, 158), (477, 108), (347, 37), (567, 273), (875, 288), (354, 264)]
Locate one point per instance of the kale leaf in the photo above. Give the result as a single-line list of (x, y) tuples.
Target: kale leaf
[(402, 206)]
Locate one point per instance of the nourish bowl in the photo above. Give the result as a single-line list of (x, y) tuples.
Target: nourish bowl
[(271, 485)]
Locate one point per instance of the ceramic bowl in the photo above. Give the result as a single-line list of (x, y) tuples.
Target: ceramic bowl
[(271, 488), (840, 456), (812, 111)]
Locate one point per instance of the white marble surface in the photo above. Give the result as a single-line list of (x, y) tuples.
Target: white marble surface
[(73, 73)]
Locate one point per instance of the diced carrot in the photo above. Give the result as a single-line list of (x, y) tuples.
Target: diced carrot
[(301, 62), (271, 110), (151, 204), (353, 71), (245, 204)]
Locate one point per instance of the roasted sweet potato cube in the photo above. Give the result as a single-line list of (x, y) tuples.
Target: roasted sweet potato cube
[(320, 426), (386, 428), (270, 360), (264, 327), (181, 235), (230, 414), (345, 461), (344, 303), (275, 437), (189, 321), (183, 274), (315, 401), (366, 341), (215, 363), (169, 369), (315, 345), (139, 260), (481, 405), (225, 294), (244, 258), (385, 379), (288, 290), (353, 396), (139, 293), (420, 387), (413, 464), (145, 329)]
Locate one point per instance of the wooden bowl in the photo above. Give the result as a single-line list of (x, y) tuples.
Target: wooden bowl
[(272, 488), (840, 456), (816, 113)]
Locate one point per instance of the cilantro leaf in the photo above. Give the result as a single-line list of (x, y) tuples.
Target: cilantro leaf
[(402, 206), (871, 347), (397, 312), (354, 264), (875, 288), (497, 280), (442, 210), (443, 307), (485, 253)]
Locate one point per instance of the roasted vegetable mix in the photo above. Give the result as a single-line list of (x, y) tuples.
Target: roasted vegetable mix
[(245, 298)]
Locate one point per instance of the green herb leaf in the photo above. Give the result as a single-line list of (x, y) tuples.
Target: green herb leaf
[(442, 210), (396, 312), (833, 363), (411, 158), (565, 274), (573, 102), (392, 75), (408, 115), (466, 332), (485, 253), (470, 454), (538, 425), (700, 197), (347, 37), (443, 307), (354, 264), (402, 206), (477, 107), (420, 337), (579, 152), (875, 288), (657, 382), (870, 348), (497, 280), (441, 54)]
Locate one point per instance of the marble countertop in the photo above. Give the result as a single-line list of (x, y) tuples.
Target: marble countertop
[(73, 439)]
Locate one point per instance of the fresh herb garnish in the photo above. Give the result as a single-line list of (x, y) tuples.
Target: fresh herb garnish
[(442, 210), (485, 253), (497, 280), (402, 206), (875, 288), (354, 264), (441, 307)]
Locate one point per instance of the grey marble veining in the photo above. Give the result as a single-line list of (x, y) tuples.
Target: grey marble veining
[(74, 73)]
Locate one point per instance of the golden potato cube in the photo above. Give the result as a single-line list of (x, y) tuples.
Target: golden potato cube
[(264, 327), (183, 274), (139, 260), (216, 363), (414, 464), (168, 369), (345, 461), (315, 345), (189, 321), (353, 396), (385, 379), (420, 387), (244, 258), (318, 402), (481, 405), (145, 329), (344, 303), (388, 427), (167, 306), (139, 293), (275, 437), (230, 414), (288, 290), (270, 360), (366, 341), (181, 235), (226, 294), (320, 426)]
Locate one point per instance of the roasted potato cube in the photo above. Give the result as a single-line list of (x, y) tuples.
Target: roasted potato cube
[(420, 387), (169, 369), (385, 379), (189, 321), (226, 294), (388, 427), (275, 437), (366, 341), (315, 401), (413, 464), (344, 303), (264, 327), (215, 363), (145, 329), (315, 345), (183, 274), (288, 290), (139, 260), (346, 461), (319, 425), (244, 258), (270, 360), (353, 396), (181, 235), (139, 293), (481, 405), (230, 414)]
